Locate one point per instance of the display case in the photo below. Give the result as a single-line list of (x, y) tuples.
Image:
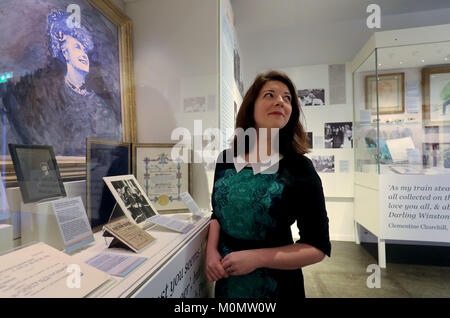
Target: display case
[(401, 96)]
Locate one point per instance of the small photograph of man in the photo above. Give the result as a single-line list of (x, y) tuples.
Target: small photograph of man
[(338, 135)]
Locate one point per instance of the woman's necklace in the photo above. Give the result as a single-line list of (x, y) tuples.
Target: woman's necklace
[(79, 90)]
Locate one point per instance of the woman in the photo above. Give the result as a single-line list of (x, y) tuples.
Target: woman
[(250, 251)]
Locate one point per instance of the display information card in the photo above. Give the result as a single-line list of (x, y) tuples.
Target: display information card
[(42, 271), (73, 223), (415, 207)]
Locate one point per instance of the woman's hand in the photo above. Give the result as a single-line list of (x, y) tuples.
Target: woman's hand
[(241, 263), (214, 269)]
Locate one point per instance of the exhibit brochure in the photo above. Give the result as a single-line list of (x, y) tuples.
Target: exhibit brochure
[(115, 264), (73, 223), (40, 271), (171, 223), (129, 234)]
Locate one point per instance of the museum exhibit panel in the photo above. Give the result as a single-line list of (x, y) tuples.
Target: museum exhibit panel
[(401, 89)]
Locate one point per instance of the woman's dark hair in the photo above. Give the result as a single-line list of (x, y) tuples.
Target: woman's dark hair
[(293, 138)]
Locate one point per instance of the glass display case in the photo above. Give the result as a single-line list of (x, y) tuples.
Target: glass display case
[(402, 110), (401, 96)]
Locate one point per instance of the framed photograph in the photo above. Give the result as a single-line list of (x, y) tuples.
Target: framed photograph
[(104, 158), (312, 97), (70, 78), (162, 177), (323, 164), (131, 198), (338, 135), (436, 95), (391, 93), (37, 172)]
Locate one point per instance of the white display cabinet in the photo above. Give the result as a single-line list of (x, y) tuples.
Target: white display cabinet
[(401, 96)]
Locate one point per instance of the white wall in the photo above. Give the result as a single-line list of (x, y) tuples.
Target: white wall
[(175, 48)]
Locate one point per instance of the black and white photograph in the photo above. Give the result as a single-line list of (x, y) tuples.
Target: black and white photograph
[(339, 135), (37, 172), (131, 198), (194, 104), (312, 97), (323, 163)]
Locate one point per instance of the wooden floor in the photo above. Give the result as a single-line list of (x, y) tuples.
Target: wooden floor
[(344, 274)]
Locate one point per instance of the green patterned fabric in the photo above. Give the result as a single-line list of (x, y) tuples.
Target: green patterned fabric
[(243, 201), (242, 204)]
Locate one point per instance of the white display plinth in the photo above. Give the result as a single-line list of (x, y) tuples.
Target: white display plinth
[(6, 237), (38, 224)]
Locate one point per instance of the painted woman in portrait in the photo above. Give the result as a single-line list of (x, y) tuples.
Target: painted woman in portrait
[(61, 104)]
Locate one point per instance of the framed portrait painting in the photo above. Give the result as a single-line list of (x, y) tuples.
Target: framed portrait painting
[(37, 172), (69, 78), (163, 177), (436, 95), (391, 93)]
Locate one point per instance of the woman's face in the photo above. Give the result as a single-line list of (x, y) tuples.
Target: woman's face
[(75, 54), (273, 106)]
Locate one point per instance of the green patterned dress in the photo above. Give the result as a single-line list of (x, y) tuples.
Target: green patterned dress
[(257, 211)]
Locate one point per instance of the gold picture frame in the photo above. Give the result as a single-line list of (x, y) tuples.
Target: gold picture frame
[(165, 203), (74, 167), (391, 93), (436, 95)]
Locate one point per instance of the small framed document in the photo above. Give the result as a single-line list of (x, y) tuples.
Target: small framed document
[(37, 172), (162, 176), (131, 198)]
